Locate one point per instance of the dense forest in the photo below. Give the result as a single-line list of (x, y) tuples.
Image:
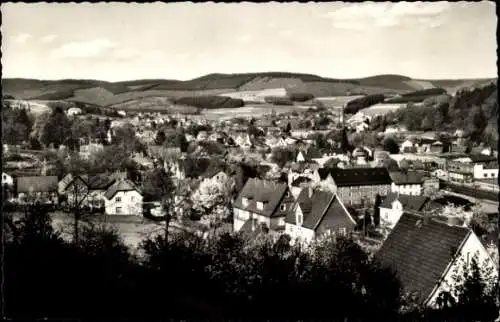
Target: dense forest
[(209, 102), (355, 105), (224, 276)]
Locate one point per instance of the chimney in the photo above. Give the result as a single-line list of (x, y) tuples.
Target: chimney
[(310, 191)]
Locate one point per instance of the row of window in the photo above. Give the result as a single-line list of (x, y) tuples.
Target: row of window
[(119, 199)]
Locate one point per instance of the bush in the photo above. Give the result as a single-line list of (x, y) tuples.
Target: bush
[(354, 106), (209, 102), (300, 97), (276, 100)]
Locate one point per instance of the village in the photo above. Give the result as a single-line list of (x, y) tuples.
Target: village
[(283, 174)]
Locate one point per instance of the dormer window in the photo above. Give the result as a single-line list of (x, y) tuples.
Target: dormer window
[(260, 205), (244, 200), (283, 207)]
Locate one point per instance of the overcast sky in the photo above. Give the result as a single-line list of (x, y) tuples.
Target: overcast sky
[(120, 41)]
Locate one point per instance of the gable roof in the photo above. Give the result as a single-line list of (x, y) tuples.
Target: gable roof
[(316, 207), (415, 203), (119, 185), (357, 176), (37, 184), (261, 190), (478, 158), (420, 251), (407, 178)]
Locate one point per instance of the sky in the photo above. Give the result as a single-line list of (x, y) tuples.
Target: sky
[(123, 41)]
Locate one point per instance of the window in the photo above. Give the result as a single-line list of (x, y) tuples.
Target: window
[(283, 207), (342, 231), (132, 198), (485, 175), (244, 201), (492, 175), (118, 210), (468, 258), (287, 194), (118, 199), (300, 219), (260, 205)]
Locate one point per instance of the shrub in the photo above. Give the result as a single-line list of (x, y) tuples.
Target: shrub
[(276, 100)]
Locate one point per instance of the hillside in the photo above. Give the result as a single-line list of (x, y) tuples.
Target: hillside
[(103, 93)]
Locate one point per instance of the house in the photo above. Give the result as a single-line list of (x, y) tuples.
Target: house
[(123, 198), (7, 180), (409, 183), (430, 186), (74, 111), (390, 129), (93, 187), (262, 202), (143, 160), (425, 254), (300, 157), (408, 146), (436, 147), (355, 186), (488, 170), (41, 189), (317, 213), (243, 141), (393, 206), (302, 169)]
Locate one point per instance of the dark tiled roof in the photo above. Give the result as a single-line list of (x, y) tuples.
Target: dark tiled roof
[(477, 158), (271, 193), (100, 181), (314, 208), (420, 250), (119, 185), (357, 176), (407, 178), (37, 184), (415, 203)]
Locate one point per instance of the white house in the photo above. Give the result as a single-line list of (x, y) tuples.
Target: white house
[(409, 183), (261, 203), (393, 206), (123, 198), (317, 213), (425, 253), (7, 180), (74, 111), (486, 171)]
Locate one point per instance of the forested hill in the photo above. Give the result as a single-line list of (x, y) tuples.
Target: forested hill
[(474, 110)]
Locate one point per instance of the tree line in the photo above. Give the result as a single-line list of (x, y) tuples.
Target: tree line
[(224, 276)]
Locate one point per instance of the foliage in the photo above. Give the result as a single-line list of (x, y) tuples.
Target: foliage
[(209, 102), (390, 145), (212, 199), (278, 100), (355, 105), (282, 156), (16, 125), (300, 97), (57, 129), (475, 295), (157, 185)]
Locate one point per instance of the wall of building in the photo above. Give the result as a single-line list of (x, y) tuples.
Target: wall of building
[(390, 216), (128, 202), (481, 173), (472, 246), (355, 194), (407, 189)]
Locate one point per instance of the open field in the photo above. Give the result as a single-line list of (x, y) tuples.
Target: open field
[(253, 110), (381, 109), (337, 101)]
